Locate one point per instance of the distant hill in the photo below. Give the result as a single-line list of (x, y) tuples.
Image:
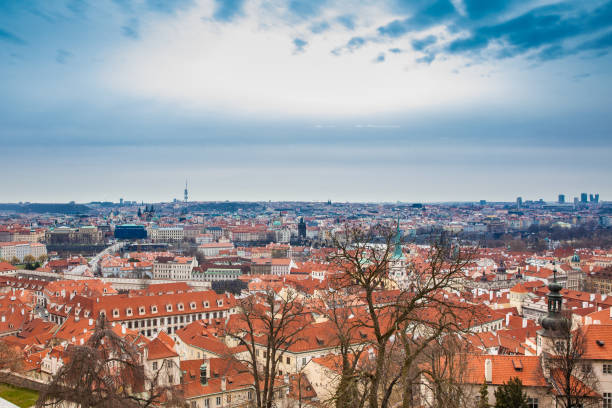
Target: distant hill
[(42, 208), (226, 206)]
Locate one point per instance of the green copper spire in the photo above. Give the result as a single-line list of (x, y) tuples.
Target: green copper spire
[(398, 253)]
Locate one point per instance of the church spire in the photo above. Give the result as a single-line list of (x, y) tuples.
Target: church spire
[(398, 253)]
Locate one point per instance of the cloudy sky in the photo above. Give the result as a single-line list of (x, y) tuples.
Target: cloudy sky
[(385, 100)]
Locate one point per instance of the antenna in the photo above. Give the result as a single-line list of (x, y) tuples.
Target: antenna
[(186, 191)]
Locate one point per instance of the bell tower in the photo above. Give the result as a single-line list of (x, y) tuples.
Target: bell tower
[(554, 325)]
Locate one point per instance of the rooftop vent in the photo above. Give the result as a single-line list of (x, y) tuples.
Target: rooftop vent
[(600, 343)]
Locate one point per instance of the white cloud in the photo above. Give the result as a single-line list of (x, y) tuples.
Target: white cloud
[(249, 67)]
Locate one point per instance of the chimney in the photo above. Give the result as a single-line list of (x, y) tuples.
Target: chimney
[(90, 322), (223, 386), (122, 329), (524, 322), (490, 296), (508, 319), (592, 298), (488, 370)]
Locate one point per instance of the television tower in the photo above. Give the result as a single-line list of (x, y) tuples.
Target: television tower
[(186, 192)]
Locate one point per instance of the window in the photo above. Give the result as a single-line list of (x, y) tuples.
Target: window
[(192, 305), (207, 402), (155, 365), (153, 309), (141, 310), (607, 400), (607, 368), (180, 306), (168, 308), (532, 402), (303, 360), (218, 401), (128, 312), (116, 313), (288, 359)]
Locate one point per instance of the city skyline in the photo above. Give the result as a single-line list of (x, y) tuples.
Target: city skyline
[(305, 100)]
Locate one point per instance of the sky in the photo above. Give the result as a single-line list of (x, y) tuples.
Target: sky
[(386, 100)]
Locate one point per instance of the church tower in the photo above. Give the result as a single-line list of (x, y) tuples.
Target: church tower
[(397, 267), (554, 325), (186, 192)]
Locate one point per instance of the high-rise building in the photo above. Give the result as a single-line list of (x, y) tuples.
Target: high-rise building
[(519, 202), (186, 192), (583, 197), (561, 198), (596, 198)]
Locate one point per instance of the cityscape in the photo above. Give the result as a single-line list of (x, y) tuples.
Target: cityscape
[(306, 204)]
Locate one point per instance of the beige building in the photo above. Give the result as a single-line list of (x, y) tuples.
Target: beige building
[(177, 268), (19, 250), (167, 234)]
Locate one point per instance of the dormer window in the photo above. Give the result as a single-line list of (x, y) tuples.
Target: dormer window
[(220, 302), (168, 308), (115, 312), (128, 312), (141, 310), (153, 309), (180, 306), (206, 304), (192, 305)]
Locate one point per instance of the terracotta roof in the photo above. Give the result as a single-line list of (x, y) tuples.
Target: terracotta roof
[(158, 349)]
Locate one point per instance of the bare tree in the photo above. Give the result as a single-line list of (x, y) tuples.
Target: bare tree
[(418, 312), (444, 365), (11, 359), (351, 346), (267, 324), (571, 374), (107, 372)]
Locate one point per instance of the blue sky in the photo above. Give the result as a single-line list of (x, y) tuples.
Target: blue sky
[(420, 100)]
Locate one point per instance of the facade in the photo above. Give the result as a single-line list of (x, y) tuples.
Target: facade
[(130, 231), (19, 250), (88, 234), (176, 268), (214, 274), (148, 315), (212, 249), (167, 234)]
